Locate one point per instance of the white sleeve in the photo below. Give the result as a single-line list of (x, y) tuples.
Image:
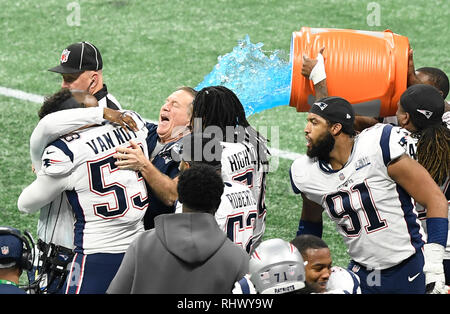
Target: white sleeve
[(57, 124), (41, 192), (52, 180), (393, 143)]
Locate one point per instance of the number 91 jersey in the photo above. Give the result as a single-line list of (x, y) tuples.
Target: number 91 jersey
[(375, 215), (109, 204)]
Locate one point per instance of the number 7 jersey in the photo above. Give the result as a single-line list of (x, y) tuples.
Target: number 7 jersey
[(375, 215), (109, 204)]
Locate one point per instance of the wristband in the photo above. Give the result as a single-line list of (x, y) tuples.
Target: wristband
[(437, 230), (318, 72)]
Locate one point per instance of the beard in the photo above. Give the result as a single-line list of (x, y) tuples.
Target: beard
[(322, 148)]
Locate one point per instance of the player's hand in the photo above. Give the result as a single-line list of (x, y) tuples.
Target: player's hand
[(412, 79), (309, 64), (121, 118), (131, 158), (434, 268)]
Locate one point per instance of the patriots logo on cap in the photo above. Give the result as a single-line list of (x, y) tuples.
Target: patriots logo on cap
[(5, 250), (321, 105), (426, 113), (65, 55)]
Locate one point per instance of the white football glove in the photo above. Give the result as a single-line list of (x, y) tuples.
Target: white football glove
[(434, 268), (318, 72)]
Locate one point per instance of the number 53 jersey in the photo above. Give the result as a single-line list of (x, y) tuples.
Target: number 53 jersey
[(109, 204), (375, 215)]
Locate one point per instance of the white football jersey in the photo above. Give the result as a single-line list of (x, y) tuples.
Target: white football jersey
[(411, 148), (237, 214), (375, 215), (56, 220), (240, 164), (109, 204)]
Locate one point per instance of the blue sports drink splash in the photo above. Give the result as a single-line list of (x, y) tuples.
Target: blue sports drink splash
[(260, 81)]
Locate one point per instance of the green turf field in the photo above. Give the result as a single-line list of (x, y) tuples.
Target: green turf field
[(151, 47)]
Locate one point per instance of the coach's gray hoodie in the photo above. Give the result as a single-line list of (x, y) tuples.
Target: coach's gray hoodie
[(185, 253)]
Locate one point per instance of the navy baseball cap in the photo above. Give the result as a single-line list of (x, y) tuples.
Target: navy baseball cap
[(336, 110), (424, 104), (11, 249), (79, 57)]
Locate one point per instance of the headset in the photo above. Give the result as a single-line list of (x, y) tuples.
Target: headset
[(26, 260)]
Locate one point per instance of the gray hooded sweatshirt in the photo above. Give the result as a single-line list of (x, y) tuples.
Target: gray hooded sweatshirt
[(185, 253)]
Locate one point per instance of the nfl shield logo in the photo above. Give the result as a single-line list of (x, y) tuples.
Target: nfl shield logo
[(65, 55), (341, 176), (5, 250)]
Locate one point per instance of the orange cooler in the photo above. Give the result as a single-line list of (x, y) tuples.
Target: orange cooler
[(367, 68)]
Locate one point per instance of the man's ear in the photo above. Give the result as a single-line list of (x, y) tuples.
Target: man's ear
[(335, 129), (407, 118), (94, 79)]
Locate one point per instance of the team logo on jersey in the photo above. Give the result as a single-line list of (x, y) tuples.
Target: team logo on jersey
[(48, 162), (5, 250), (65, 55), (321, 105), (426, 113), (362, 163), (403, 141)]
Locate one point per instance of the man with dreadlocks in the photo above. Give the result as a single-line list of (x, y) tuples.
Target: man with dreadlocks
[(420, 112), (218, 111)]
